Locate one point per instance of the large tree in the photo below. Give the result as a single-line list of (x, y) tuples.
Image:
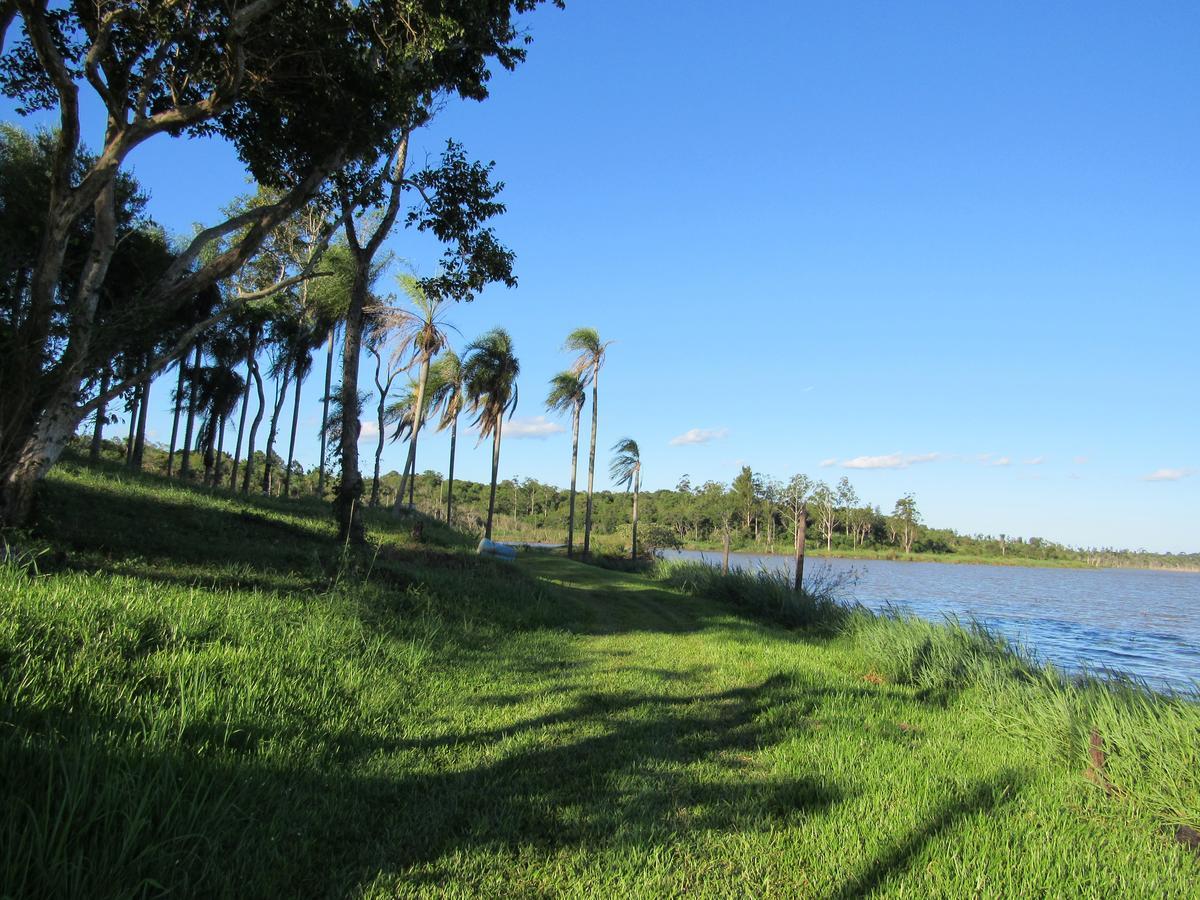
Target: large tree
[(298, 88), (456, 199)]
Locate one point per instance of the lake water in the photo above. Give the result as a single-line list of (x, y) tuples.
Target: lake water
[(1146, 624)]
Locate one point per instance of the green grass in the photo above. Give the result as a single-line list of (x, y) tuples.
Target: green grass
[(205, 695)]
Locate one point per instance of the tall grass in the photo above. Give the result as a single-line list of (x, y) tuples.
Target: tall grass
[(935, 657), (1137, 745), (1150, 742), (763, 593)]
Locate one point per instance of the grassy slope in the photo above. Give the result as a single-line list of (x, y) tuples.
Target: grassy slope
[(206, 695)]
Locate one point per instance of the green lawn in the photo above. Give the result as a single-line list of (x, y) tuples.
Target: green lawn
[(206, 695)]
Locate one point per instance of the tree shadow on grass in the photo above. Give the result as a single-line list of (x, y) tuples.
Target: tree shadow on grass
[(985, 796), (310, 822)]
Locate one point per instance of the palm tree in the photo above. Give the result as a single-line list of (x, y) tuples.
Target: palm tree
[(586, 342), (421, 334), (403, 414), (490, 369), (626, 469), (220, 390), (569, 391), (447, 395), (386, 374)]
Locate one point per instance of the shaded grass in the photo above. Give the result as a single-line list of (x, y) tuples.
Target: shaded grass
[(273, 716)]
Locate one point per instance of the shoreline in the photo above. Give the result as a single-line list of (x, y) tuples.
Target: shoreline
[(945, 559), (950, 560)]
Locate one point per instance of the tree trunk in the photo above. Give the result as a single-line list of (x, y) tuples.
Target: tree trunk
[(209, 456), (131, 438), (637, 481), (220, 451), (587, 516), (380, 411), (237, 448), (801, 528), (186, 462), (287, 474), (574, 467), (139, 444), (418, 416), (18, 482), (495, 473), (281, 389), (98, 427), (248, 475), (175, 418), (325, 414), (450, 479), (350, 488)]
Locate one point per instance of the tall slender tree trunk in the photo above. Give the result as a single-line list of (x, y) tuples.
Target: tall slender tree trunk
[(587, 517), (450, 479), (574, 468), (325, 414), (248, 475), (350, 489), (207, 435), (637, 482), (135, 404), (220, 451), (380, 413), (175, 418), (281, 389), (495, 474), (98, 427), (139, 444), (298, 376), (418, 418), (801, 528), (237, 448), (186, 462)]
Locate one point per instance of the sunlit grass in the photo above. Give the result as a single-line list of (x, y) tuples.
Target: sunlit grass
[(208, 695)]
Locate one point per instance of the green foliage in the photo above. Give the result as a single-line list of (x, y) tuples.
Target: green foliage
[(490, 370)]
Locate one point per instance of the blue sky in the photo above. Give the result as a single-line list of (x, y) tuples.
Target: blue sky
[(945, 248)]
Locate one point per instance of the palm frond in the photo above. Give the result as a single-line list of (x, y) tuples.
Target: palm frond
[(490, 370), (590, 349), (626, 463), (567, 390)]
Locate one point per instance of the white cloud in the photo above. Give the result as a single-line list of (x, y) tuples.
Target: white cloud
[(1002, 461), (1167, 475), (368, 430), (990, 459), (537, 428), (891, 461), (1036, 461), (699, 436), (826, 463), (1080, 460)]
